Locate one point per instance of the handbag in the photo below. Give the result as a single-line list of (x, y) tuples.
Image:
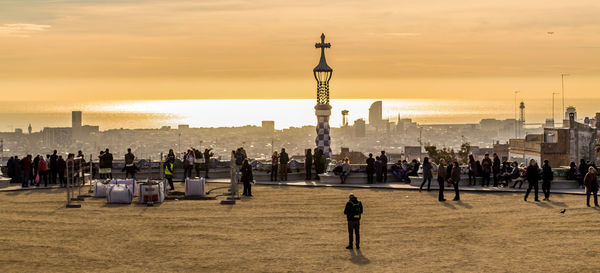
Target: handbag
[(37, 178)]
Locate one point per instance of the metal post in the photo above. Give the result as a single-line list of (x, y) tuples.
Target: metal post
[(160, 169), (70, 186), (91, 178), (516, 122)]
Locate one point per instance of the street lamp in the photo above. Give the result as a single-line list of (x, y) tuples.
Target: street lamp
[(554, 93), (516, 133), (562, 80)]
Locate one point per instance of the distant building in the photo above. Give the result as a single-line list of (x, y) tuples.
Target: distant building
[(355, 157), (376, 113), (53, 136), (268, 125), (360, 129), (501, 150), (413, 152), (559, 146), (18, 131), (183, 127)]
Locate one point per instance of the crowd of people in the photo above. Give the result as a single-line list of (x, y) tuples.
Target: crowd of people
[(51, 169)]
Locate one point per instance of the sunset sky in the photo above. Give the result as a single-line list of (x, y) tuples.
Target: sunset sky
[(88, 50)]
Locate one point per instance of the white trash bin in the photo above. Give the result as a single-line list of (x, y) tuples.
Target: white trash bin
[(195, 187)]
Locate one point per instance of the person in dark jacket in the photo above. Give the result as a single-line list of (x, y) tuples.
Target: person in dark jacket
[(547, 177), (130, 167), (441, 178), (319, 168), (308, 161), (583, 170), (247, 177), (455, 179), (370, 168), (496, 169), (472, 171), (486, 166), (108, 163), (384, 162), (378, 170), (533, 176), (10, 169), (427, 174), (207, 155), (61, 167), (53, 167), (591, 185), (515, 174), (572, 172), (283, 165), (353, 212), (26, 168)]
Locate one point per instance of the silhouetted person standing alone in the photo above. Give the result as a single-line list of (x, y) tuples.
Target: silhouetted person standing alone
[(533, 176), (283, 165), (427, 174), (441, 178), (547, 177), (455, 178), (353, 211), (591, 185)]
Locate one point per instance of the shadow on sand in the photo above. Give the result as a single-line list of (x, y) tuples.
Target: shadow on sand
[(448, 205), (357, 257), (464, 205)]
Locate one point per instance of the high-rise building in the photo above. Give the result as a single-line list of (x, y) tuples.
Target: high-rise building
[(376, 113), (76, 119)]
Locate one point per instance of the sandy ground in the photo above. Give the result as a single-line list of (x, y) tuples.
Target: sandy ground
[(297, 229)]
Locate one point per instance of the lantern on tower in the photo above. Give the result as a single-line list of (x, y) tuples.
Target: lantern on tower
[(322, 73)]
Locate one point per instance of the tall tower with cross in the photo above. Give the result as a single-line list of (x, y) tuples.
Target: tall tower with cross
[(322, 73)]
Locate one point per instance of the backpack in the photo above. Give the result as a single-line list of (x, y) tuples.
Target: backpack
[(356, 209)]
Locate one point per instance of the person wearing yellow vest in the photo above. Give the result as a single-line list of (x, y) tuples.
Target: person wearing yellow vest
[(169, 172)]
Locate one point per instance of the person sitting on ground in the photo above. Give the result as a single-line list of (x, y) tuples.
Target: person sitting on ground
[(345, 170)]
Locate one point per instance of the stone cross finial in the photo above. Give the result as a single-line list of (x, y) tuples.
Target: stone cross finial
[(322, 45)]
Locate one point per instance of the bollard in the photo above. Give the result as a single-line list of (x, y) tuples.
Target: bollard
[(69, 186)]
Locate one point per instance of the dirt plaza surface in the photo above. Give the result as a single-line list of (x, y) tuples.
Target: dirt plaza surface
[(300, 229)]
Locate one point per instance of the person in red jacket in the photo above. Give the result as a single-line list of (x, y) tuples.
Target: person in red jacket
[(43, 171)]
